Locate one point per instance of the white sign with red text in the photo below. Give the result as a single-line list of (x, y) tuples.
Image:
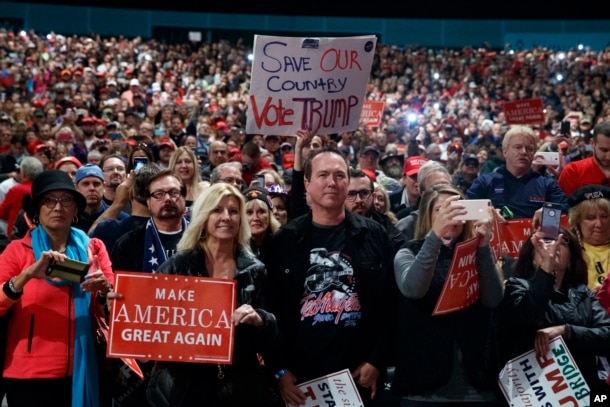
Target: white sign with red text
[(335, 389), (552, 380), (308, 83)]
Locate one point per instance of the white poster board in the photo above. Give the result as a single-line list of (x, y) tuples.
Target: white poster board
[(308, 83), (335, 389), (553, 380)]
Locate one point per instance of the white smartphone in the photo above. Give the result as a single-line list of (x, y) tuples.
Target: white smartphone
[(476, 209), (546, 158)]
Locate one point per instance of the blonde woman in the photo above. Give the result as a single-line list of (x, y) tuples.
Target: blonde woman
[(216, 245), (381, 201), (184, 165), (260, 217)]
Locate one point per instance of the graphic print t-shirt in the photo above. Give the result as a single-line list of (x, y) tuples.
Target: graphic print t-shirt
[(330, 307)]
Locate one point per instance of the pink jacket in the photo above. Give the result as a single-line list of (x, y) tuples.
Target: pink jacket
[(40, 334)]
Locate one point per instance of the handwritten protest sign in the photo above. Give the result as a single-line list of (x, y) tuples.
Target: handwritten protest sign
[(372, 112), (461, 287), (336, 389), (552, 380), (172, 318), (308, 83), (524, 111)]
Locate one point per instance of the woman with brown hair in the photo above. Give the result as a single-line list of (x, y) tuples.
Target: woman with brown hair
[(548, 297)]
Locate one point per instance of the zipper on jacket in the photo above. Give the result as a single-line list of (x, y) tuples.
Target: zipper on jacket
[(31, 333)]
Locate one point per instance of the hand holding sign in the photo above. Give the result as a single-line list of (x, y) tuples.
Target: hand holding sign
[(542, 343), (484, 229)]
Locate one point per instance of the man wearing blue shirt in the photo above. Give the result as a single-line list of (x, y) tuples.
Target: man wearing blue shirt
[(514, 185)]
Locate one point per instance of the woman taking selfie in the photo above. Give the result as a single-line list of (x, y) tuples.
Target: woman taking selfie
[(548, 297), (440, 358)]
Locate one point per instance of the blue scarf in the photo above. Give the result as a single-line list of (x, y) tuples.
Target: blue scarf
[(154, 252), (85, 383)]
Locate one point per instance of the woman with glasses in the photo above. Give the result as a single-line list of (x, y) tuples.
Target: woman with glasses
[(50, 348), (548, 297), (442, 359), (216, 244)]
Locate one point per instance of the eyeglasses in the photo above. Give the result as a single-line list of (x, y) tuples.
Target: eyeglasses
[(160, 195), (113, 169), (66, 201), (234, 181), (363, 194)]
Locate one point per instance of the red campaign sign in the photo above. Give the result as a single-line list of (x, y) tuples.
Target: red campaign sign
[(514, 232), (461, 287), (372, 112), (525, 111), (172, 318)]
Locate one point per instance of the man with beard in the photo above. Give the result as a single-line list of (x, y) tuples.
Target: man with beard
[(90, 183), (145, 248), (150, 244), (591, 170), (391, 171), (360, 201), (113, 167)]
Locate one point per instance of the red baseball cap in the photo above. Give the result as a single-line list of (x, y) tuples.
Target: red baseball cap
[(413, 164)]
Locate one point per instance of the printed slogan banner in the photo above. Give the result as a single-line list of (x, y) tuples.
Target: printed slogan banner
[(172, 318), (552, 380), (514, 232), (461, 287), (308, 83), (524, 111), (372, 111), (335, 389)]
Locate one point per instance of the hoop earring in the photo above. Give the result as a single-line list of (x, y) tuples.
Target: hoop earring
[(35, 220), (75, 220)]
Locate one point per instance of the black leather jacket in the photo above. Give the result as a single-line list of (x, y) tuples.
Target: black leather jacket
[(186, 384), (371, 256), (530, 305)]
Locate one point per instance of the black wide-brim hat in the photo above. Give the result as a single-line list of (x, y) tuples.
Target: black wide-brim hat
[(51, 180)]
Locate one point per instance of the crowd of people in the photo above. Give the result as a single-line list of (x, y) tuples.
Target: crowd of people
[(128, 154)]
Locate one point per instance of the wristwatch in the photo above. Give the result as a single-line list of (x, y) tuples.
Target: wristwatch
[(11, 285)]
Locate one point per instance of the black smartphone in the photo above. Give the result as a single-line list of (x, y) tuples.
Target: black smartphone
[(549, 224), (139, 162), (260, 179), (565, 128), (71, 270)]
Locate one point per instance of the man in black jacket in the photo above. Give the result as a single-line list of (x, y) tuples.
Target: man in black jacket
[(332, 288), (360, 201)]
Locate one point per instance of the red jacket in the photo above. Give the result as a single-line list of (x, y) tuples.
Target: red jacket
[(40, 334)]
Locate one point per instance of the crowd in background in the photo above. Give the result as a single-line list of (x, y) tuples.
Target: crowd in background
[(100, 109)]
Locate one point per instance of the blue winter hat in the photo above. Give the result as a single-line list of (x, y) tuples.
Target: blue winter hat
[(89, 170)]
